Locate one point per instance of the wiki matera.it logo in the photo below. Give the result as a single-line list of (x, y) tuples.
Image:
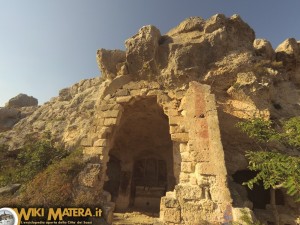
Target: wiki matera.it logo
[(8, 217)]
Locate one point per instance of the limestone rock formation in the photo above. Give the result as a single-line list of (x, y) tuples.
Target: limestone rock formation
[(159, 125), (15, 109), (21, 100)]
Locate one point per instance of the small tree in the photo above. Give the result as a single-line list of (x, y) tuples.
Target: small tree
[(275, 169)]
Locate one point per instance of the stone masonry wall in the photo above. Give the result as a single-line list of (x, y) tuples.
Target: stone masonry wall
[(201, 193)]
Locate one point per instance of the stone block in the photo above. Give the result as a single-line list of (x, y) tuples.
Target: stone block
[(111, 114), (173, 112), (202, 155), (186, 157), (107, 97), (186, 192), (123, 99), (116, 83), (180, 137), (153, 85), (171, 194), (154, 92), (187, 167), (118, 107), (169, 202), (183, 147), (122, 92), (87, 142), (100, 121), (93, 150), (110, 121), (192, 213), (106, 106), (174, 129), (175, 120), (141, 92), (133, 86), (104, 131), (183, 177), (238, 213), (171, 215), (205, 168), (193, 179), (100, 143)]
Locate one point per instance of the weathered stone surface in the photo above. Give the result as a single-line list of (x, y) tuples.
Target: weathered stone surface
[(100, 142), (21, 100), (96, 150), (188, 192), (171, 215), (89, 177), (65, 94), (180, 137), (264, 48), (8, 118), (109, 60), (110, 121), (111, 114), (115, 84), (239, 213), (187, 167), (87, 142), (123, 99), (170, 202), (141, 52), (289, 47), (175, 120), (188, 25)]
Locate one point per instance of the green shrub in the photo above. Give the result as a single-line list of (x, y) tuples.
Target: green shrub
[(275, 169), (55, 184), (34, 157)]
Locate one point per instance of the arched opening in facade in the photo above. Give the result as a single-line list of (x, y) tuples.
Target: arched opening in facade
[(140, 169)]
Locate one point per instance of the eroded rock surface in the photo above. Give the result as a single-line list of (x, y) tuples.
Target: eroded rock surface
[(15, 109), (21, 100)]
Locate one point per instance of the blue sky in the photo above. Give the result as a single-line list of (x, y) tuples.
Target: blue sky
[(46, 45)]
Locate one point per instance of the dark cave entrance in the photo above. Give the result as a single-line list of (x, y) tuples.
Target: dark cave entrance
[(140, 169), (259, 196)]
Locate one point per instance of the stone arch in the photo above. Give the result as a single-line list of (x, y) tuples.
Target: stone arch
[(198, 159), (142, 138)]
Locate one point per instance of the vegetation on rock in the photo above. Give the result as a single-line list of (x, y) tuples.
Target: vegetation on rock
[(40, 164), (277, 163), (275, 169), (33, 158), (56, 183)]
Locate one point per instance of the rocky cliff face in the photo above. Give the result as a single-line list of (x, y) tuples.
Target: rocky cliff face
[(247, 76)]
